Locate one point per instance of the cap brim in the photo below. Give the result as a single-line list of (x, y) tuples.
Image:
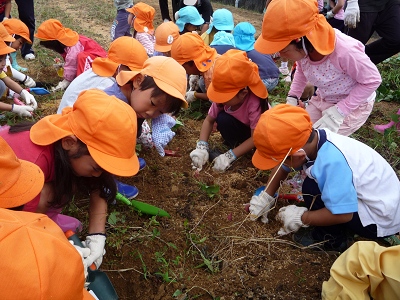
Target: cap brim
[(115, 165), (124, 76), (50, 129), (28, 186), (9, 39), (219, 97), (267, 47), (104, 66), (6, 50), (160, 48), (263, 163), (171, 91)]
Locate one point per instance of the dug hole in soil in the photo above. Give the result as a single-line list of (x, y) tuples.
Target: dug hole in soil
[(208, 248)]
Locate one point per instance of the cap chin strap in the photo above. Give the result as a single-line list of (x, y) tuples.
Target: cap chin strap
[(304, 47)]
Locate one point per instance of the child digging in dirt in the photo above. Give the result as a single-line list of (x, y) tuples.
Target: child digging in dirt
[(80, 150), (198, 59), (78, 51), (21, 110), (239, 98), (333, 62), (43, 248), (349, 187)]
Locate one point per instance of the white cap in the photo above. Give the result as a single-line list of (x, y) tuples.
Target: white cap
[(189, 2)]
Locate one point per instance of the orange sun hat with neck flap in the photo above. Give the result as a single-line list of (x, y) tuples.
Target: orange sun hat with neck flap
[(233, 72), (280, 132), (144, 16), (53, 30), (124, 50), (4, 34), (292, 20), (104, 123), (20, 182), (160, 69), (16, 26), (190, 46)]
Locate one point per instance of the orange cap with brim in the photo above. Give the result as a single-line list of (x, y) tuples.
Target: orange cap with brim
[(4, 34), (280, 131), (165, 35), (4, 49), (16, 26), (292, 20), (44, 265), (21, 181), (52, 29), (161, 68), (233, 71), (190, 46), (124, 50), (104, 123), (144, 14)]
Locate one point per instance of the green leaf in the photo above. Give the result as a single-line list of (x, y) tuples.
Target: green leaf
[(112, 218)]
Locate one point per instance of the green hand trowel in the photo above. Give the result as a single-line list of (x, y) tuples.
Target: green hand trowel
[(142, 207)]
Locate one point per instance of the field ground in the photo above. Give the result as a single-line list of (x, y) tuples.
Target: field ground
[(208, 249)]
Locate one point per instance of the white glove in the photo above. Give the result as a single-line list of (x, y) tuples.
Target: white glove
[(5, 18), (95, 243), (22, 110), (260, 204), (190, 97), (62, 85), (223, 161), (352, 14), (290, 216), (292, 100), (329, 15), (193, 82), (29, 82), (199, 155), (331, 119), (29, 99), (161, 132), (84, 252)]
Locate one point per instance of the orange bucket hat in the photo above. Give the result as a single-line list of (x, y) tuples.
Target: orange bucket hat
[(161, 68), (144, 16), (233, 71), (190, 46), (4, 49), (21, 181), (16, 26), (280, 131), (124, 50), (4, 35), (104, 123), (52, 29), (44, 265), (292, 20), (165, 35)]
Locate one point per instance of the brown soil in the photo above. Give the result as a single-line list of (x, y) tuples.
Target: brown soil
[(208, 248)]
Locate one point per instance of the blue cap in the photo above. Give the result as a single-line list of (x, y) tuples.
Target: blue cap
[(188, 15), (223, 38), (244, 36), (222, 19)]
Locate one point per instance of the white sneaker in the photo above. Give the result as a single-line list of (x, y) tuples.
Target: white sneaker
[(284, 70), (30, 56)]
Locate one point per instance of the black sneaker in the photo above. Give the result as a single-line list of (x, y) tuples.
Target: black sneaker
[(213, 154)]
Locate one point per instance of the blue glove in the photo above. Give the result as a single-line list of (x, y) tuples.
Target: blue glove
[(161, 132)]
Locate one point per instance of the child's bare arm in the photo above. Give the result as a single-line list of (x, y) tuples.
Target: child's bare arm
[(97, 213), (323, 217), (5, 106), (12, 85), (46, 196), (206, 128)]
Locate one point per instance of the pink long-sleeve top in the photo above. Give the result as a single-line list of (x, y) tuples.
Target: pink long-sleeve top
[(346, 77)]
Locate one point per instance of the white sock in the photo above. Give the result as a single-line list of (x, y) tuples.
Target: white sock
[(284, 64)]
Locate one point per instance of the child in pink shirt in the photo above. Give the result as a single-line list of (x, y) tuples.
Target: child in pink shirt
[(335, 63)]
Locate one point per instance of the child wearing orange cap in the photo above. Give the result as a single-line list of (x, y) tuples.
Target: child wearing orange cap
[(20, 33), (330, 60), (78, 51), (197, 58), (239, 98), (140, 18), (348, 185), (166, 33), (43, 246), (80, 150), (21, 110)]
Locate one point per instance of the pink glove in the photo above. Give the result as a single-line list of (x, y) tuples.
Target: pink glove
[(290, 216)]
